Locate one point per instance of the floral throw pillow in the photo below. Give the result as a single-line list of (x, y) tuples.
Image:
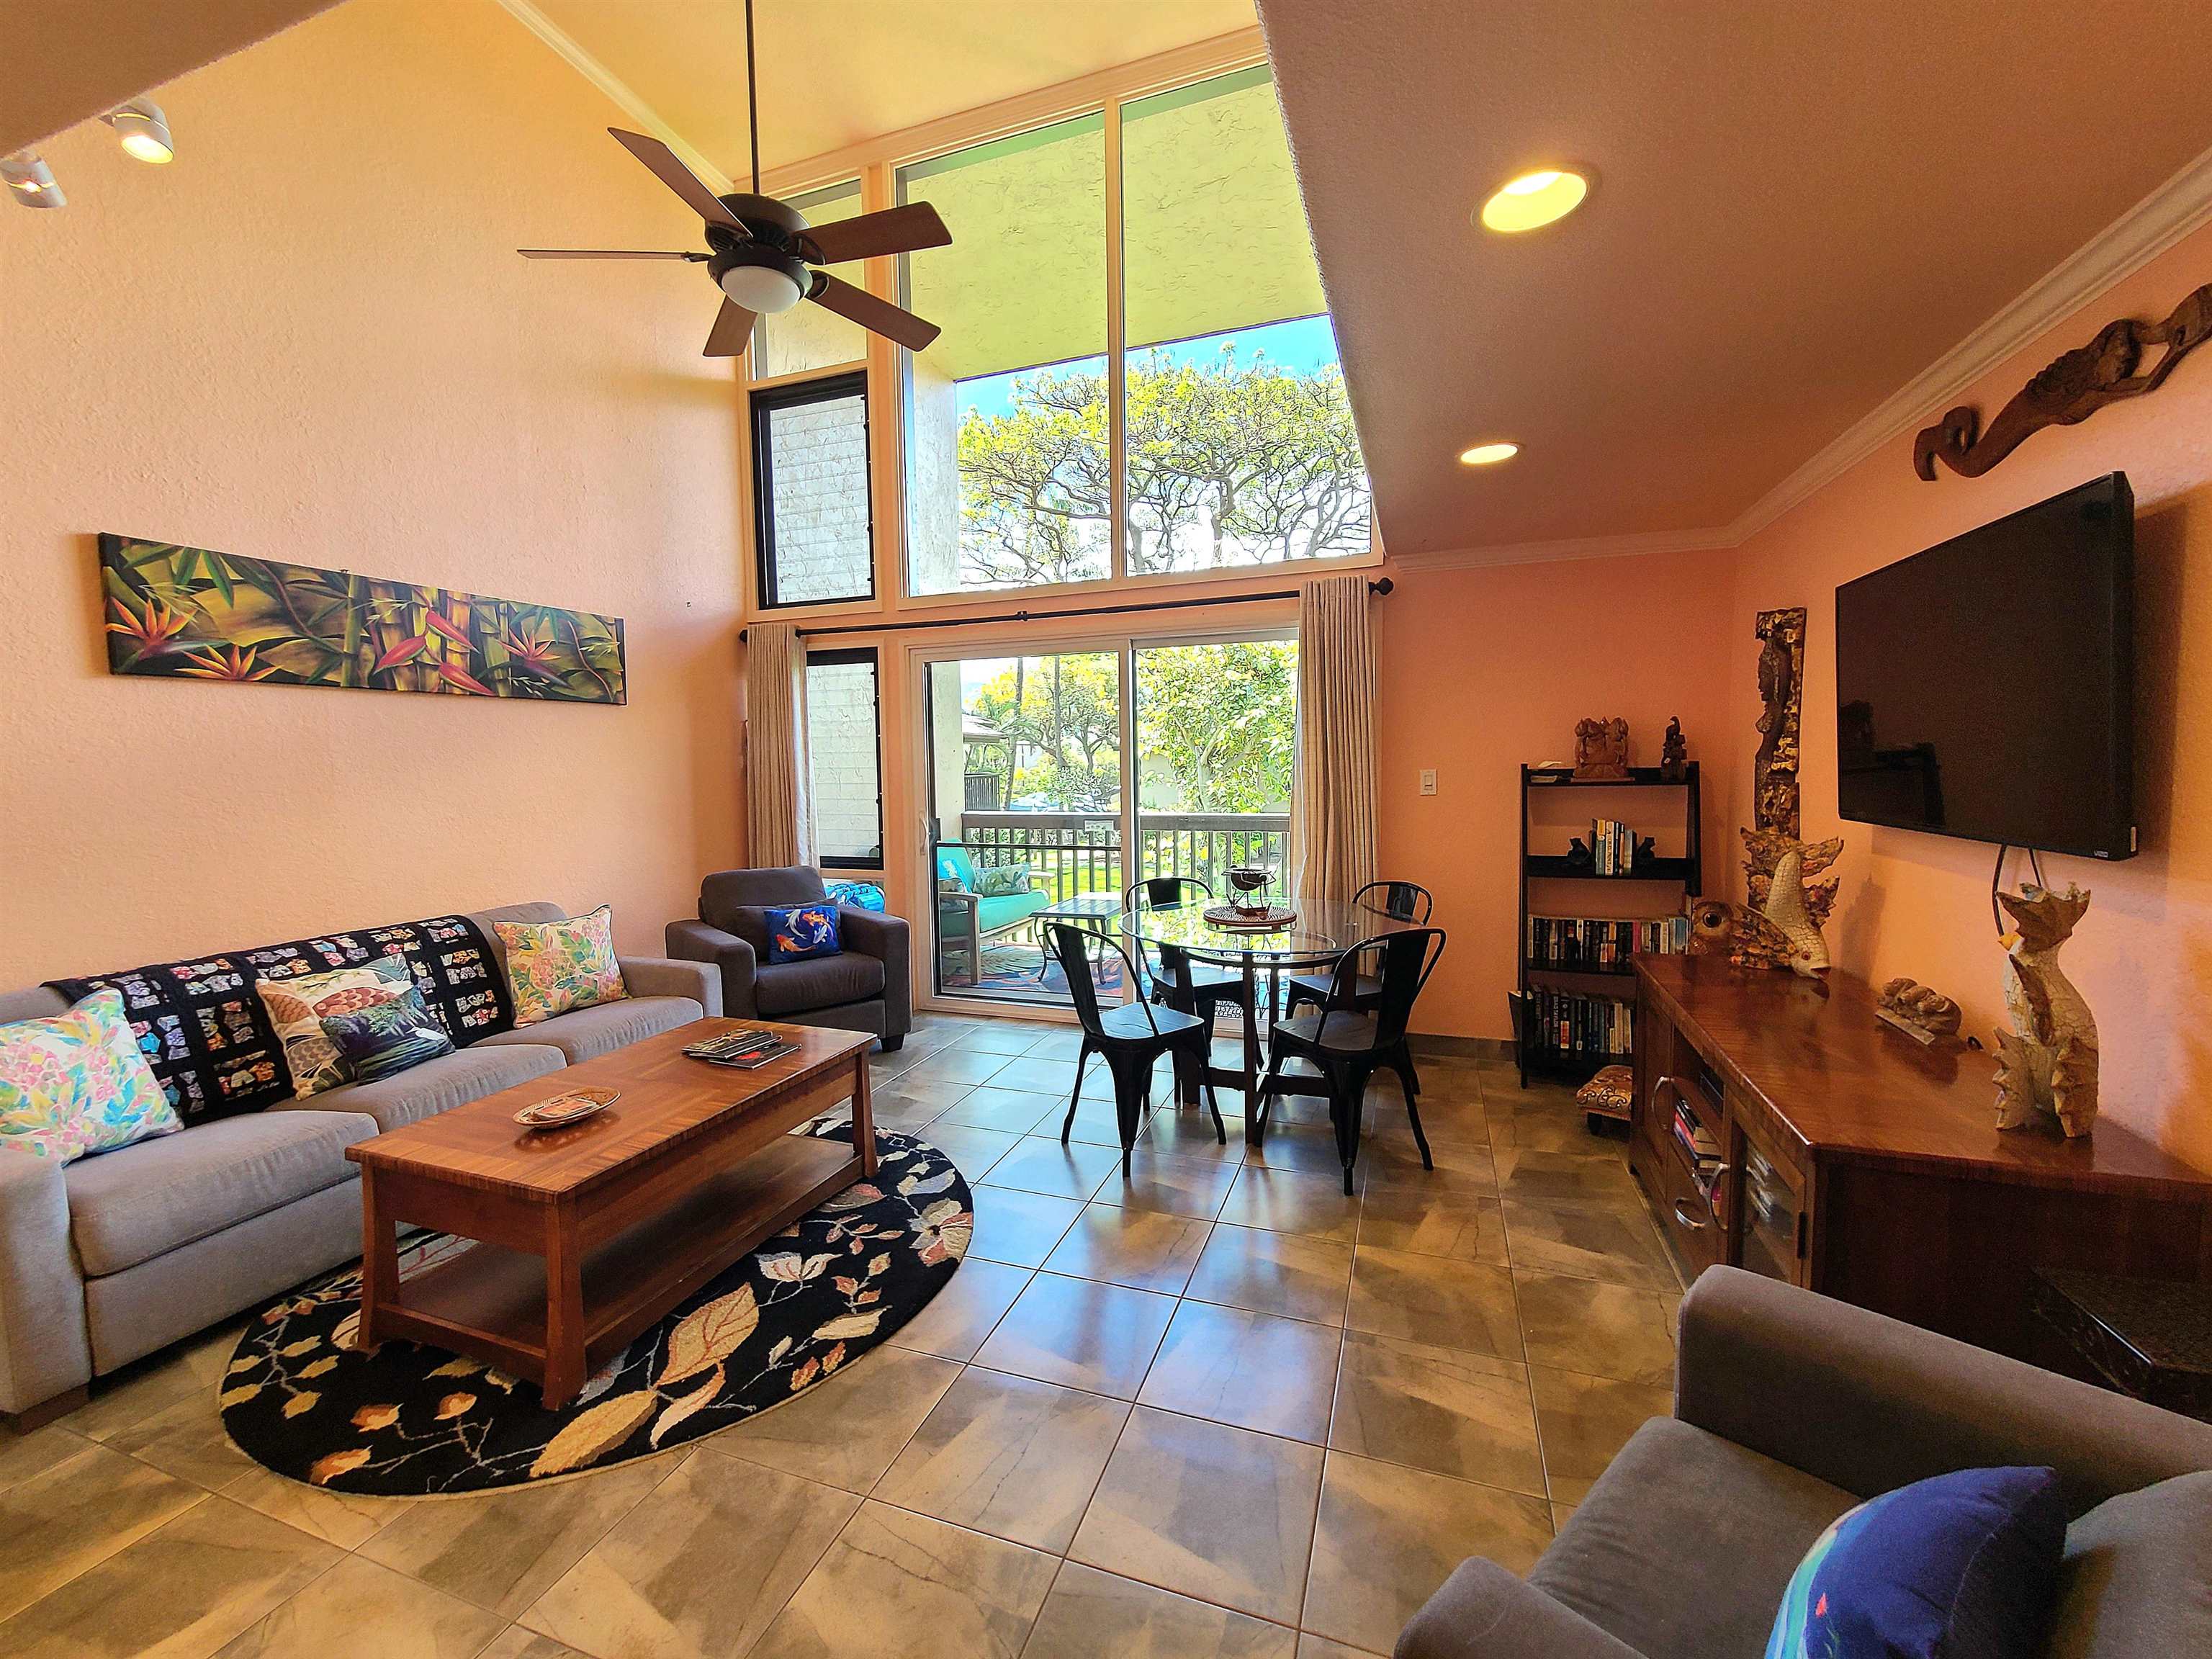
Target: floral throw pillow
[(298, 1007), (77, 1083), (796, 931), (387, 1037), (555, 966), (1002, 881)]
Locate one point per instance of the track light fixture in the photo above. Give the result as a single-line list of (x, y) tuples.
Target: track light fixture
[(143, 130), (31, 181)]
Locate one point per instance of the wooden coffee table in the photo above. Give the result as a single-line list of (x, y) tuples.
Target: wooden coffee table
[(587, 1235)]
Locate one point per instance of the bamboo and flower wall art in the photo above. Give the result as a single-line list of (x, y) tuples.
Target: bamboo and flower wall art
[(189, 613)]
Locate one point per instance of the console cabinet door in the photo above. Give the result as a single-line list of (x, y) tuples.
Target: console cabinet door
[(1770, 1227)]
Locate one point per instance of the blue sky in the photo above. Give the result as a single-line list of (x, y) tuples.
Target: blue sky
[(1300, 346)]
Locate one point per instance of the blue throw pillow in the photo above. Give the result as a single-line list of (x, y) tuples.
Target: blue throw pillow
[(387, 1037), (796, 931), (860, 895), (1960, 1566)]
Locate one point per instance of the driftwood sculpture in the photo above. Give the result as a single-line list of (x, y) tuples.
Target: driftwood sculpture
[(1601, 749), (2048, 1061), (2074, 386), (1781, 693), (1922, 1013), (1789, 905)]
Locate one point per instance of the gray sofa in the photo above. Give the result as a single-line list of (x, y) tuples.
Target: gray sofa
[(111, 1257), (863, 988), (1790, 1408)]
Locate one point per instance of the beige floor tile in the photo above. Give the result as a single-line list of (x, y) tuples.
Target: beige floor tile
[(1320, 1647), (1441, 1409), (1454, 1151), (1255, 1371), (1178, 1186), (1064, 1043), (78, 1513), (954, 1065), (701, 1570), (1433, 1215), (1096, 1615), (1188, 1133), (1587, 1325), (1018, 1228), (185, 1440), (1144, 1250), (908, 1111), (1613, 1241), (1009, 1111), (517, 1642), (1308, 1148), (1208, 1510), (1097, 1121), (1583, 1420), (1009, 1037), (1388, 1536), (358, 1606), (1434, 1298), (23, 1456), (1008, 1456), (846, 1432), (137, 1393), (1080, 1334), (1043, 1075), (503, 1550), (1038, 1165), (973, 1151), (1274, 1272), (954, 1322), (342, 1518), (901, 1586), (1595, 1177), (1560, 1514), (1286, 1201), (180, 1592)]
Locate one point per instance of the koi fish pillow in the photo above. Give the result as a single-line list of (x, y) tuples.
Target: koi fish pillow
[(797, 931)]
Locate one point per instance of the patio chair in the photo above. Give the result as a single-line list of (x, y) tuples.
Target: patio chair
[(1348, 1046), (966, 918), (1131, 1038)]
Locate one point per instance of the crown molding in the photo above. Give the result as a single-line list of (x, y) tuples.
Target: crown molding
[(618, 90)]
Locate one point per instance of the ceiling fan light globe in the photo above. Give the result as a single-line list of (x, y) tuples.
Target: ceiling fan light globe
[(760, 289)]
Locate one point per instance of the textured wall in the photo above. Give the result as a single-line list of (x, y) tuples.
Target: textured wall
[(310, 337), (1918, 904)]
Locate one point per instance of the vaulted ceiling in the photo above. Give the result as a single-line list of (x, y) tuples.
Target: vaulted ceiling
[(1798, 209)]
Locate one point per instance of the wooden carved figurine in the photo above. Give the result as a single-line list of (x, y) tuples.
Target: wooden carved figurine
[(2048, 1061), (1601, 749), (1790, 904), (1922, 1013), (1673, 753), (1781, 692), (2074, 386)]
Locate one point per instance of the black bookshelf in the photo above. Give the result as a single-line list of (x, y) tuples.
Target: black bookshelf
[(1538, 1051)]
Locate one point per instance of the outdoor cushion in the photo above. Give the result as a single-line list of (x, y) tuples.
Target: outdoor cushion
[(131, 1206), (954, 863), (440, 1085), (993, 913), (1684, 1545), (585, 1033), (795, 987)]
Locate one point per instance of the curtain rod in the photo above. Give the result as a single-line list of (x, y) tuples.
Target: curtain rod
[(1381, 587)]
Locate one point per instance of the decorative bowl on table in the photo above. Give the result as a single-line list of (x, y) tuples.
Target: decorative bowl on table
[(1248, 886), (558, 1111)]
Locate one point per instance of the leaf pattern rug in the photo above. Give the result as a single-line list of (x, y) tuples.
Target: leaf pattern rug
[(411, 1421)]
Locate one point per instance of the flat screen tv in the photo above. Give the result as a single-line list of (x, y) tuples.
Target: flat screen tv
[(1985, 688)]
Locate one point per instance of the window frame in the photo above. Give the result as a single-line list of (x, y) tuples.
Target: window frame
[(842, 656), (762, 404)]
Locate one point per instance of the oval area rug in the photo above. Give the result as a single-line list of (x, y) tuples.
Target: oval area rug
[(410, 1421)]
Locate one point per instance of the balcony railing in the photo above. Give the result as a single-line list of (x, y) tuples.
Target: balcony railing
[(1074, 853)]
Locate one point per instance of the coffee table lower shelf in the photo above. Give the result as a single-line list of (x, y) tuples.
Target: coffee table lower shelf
[(495, 1303)]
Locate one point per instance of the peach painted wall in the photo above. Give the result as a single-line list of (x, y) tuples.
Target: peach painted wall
[(310, 338), (1918, 905), (1482, 669)]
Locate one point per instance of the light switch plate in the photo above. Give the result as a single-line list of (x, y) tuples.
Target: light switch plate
[(1428, 780)]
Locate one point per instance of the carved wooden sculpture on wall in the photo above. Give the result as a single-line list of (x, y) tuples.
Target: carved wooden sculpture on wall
[(2048, 1061), (2075, 386), (1790, 903), (1781, 692)]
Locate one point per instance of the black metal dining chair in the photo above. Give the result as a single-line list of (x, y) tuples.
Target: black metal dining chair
[(1194, 988), (1402, 901), (1131, 1037), (1347, 1046)]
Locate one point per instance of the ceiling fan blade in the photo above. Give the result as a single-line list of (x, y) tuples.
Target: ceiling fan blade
[(733, 328), (894, 230), (877, 316), (599, 254), (677, 177)]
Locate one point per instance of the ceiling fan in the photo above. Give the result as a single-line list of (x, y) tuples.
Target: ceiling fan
[(762, 253)]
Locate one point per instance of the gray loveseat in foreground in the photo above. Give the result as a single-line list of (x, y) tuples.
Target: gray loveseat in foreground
[(111, 1257), (1790, 1408)]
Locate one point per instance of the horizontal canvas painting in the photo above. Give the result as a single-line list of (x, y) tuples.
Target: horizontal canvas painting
[(193, 614)]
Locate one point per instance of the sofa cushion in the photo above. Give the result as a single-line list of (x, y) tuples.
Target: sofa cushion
[(2136, 1582), (1684, 1545), (790, 988), (583, 1033), (131, 1206), (441, 1085)]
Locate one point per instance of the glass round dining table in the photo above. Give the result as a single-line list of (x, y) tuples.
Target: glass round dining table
[(1319, 933)]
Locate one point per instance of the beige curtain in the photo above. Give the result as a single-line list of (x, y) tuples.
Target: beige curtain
[(775, 747), (1333, 796)]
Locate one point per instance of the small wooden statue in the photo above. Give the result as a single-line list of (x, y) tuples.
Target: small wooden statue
[(1601, 749), (1925, 1015), (1673, 753), (1789, 905), (2048, 1061)]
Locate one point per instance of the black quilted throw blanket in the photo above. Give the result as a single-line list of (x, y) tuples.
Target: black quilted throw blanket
[(204, 1028)]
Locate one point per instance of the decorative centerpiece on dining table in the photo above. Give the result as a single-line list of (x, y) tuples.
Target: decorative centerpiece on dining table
[(1248, 906)]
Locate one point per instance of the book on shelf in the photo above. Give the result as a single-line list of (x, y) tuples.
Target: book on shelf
[(1612, 847), (1576, 1023), (1603, 944)]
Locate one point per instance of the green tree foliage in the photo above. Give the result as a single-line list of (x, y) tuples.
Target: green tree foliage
[(1223, 719), (1062, 714)]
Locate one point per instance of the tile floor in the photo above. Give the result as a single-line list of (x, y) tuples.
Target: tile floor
[(1218, 1409)]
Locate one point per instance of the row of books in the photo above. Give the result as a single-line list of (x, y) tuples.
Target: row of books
[(1612, 845), (1574, 1023), (1598, 942)]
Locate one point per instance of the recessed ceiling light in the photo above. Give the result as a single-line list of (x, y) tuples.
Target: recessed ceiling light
[(31, 181), (1488, 454), (1534, 199), (144, 131)]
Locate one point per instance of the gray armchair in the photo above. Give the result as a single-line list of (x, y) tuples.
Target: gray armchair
[(1790, 1408), (863, 988)]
